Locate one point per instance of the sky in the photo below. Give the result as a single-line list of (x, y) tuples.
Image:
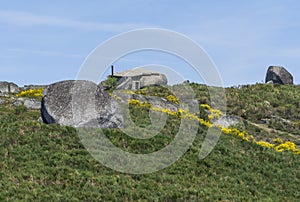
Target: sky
[(44, 41)]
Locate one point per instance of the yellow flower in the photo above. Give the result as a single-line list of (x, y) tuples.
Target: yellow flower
[(205, 106), (297, 151), (277, 140), (32, 93), (289, 146), (206, 123), (172, 98), (265, 144), (134, 102), (214, 113), (129, 92)]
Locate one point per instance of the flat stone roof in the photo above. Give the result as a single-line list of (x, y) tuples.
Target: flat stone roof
[(136, 72)]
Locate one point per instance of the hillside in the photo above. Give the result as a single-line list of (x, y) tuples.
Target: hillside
[(40, 162)]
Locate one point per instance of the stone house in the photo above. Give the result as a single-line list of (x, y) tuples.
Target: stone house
[(137, 78)]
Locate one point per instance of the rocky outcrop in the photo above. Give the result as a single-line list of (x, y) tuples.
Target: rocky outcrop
[(8, 87), (80, 104), (229, 120), (32, 104), (278, 75), (32, 87), (18, 102), (29, 103)]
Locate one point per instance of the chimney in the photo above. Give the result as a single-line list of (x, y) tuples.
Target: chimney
[(112, 71)]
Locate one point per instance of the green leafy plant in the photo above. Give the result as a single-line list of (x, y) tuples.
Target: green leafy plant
[(111, 83)]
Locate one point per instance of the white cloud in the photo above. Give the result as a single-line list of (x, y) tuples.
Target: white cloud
[(30, 19)]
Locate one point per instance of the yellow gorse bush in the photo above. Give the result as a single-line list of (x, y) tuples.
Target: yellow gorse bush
[(278, 140), (287, 146), (32, 93), (214, 113), (206, 106), (139, 103), (172, 98), (115, 97), (265, 144)]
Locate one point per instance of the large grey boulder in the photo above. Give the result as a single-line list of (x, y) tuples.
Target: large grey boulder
[(9, 87), (278, 75), (80, 104)]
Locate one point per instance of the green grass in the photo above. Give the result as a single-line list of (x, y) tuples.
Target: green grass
[(40, 162)]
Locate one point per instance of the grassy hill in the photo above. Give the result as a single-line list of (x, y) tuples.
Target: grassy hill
[(40, 162)]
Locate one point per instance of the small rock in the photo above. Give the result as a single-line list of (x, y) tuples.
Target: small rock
[(32, 104), (186, 81), (40, 120), (226, 121), (18, 102), (265, 121), (4, 94), (2, 101)]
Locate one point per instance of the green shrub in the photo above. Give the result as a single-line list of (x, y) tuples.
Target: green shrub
[(111, 83), (20, 109)]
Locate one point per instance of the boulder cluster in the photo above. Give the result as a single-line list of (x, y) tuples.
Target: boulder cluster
[(81, 103), (8, 88)]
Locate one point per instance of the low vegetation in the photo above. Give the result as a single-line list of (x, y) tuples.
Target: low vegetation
[(40, 162)]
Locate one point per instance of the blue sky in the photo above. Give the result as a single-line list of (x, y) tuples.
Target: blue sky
[(47, 41)]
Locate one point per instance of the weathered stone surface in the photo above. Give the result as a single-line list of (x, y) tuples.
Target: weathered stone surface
[(226, 121), (4, 94), (32, 104), (80, 104), (9, 87), (32, 87), (18, 102), (153, 80), (278, 75)]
